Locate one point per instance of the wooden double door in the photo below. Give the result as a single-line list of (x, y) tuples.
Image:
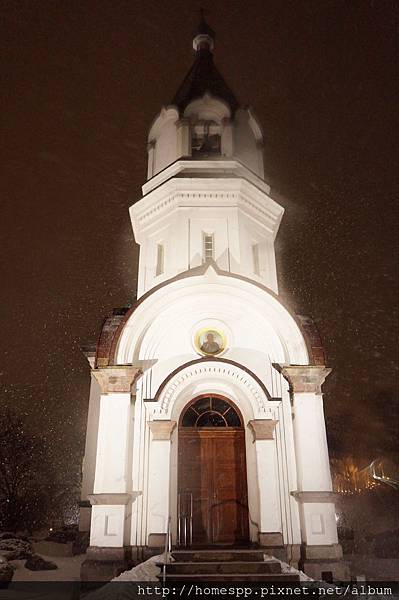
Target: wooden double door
[(212, 484)]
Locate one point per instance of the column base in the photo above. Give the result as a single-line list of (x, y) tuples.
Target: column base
[(271, 539), (324, 563), (102, 564), (157, 540)]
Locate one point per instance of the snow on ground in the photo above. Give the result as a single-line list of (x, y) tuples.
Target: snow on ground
[(145, 571), (68, 569), (286, 568)]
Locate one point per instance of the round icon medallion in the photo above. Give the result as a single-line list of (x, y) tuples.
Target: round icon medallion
[(210, 341)]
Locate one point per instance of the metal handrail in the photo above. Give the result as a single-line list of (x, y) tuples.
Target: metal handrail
[(167, 550), (185, 520)]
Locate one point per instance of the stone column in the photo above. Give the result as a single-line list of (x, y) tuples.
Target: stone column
[(320, 548), (227, 138), (111, 500), (151, 159), (270, 525), (158, 482), (183, 137)]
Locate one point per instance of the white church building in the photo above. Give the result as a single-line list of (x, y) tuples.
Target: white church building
[(206, 411)]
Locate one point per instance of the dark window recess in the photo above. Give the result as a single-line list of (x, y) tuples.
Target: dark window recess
[(206, 139), (211, 412)]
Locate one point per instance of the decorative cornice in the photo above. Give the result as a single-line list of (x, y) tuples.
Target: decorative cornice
[(206, 367), (161, 430), (263, 429), (304, 378), (319, 497), (229, 165), (116, 379), (109, 499)]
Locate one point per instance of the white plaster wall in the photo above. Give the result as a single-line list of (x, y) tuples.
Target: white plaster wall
[(89, 460), (113, 444), (318, 523), (107, 525), (247, 143), (162, 138), (287, 467), (165, 146), (177, 215), (311, 443), (282, 516), (159, 470), (259, 328), (256, 234)]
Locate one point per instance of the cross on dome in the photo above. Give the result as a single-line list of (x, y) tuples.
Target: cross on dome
[(203, 77), (204, 38)]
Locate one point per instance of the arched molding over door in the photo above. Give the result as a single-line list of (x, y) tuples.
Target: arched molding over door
[(213, 377)]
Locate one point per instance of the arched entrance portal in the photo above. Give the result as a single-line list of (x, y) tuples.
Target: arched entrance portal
[(212, 480)]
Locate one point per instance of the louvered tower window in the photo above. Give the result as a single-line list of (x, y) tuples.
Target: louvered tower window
[(208, 247)]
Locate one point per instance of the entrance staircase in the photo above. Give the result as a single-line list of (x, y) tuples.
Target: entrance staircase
[(224, 565)]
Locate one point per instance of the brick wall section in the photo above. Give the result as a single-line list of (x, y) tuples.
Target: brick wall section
[(313, 341), (108, 331)]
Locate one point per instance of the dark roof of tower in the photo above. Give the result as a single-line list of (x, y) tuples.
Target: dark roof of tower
[(204, 28), (204, 77)]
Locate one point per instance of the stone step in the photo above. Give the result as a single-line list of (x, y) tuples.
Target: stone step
[(181, 568), (205, 578), (218, 555)]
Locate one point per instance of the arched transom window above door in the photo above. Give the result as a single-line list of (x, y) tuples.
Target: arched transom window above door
[(211, 411)]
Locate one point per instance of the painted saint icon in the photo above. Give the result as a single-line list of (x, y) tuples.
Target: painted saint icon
[(210, 341)]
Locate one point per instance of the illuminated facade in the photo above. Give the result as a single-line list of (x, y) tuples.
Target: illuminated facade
[(206, 412)]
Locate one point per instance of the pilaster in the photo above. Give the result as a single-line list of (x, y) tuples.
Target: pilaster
[(183, 137), (159, 481), (151, 159), (270, 526), (314, 495), (227, 138), (112, 497)]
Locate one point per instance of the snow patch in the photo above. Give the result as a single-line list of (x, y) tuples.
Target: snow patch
[(145, 571), (286, 568)]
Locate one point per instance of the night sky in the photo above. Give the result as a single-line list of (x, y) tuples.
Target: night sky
[(82, 82)]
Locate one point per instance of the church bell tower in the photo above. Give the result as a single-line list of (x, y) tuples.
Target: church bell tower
[(206, 412), (205, 198)]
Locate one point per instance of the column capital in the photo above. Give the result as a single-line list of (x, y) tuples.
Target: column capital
[(262, 429), (161, 430), (315, 496), (116, 379), (304, 378), (109, 499)]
